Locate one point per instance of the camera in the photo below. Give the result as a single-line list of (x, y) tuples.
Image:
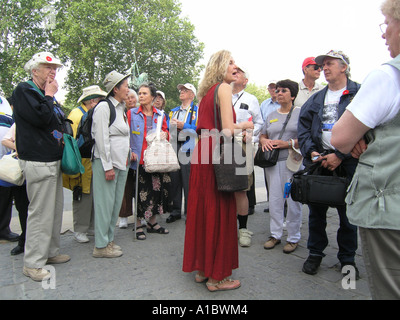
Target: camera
[(77, 193)]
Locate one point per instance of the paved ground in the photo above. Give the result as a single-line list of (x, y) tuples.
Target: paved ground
[(151, 269)]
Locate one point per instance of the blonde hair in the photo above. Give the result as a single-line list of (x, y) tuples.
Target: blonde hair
[(391, 8), (215, 71)]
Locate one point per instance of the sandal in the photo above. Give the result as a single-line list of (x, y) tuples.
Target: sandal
[(160, 230), (226, 284), (140, 235), (199, 278)]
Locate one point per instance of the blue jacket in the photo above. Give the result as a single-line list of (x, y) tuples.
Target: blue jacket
[(310, 122), (138, 133), (189, 127)]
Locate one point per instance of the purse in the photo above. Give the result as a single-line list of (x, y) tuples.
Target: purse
[(159, 155), (318, 186), (269, 158), (71, 162), (10, 170), (231, 175)]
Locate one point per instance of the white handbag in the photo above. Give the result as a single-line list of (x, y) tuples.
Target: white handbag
[(159, 155), (10, 170)]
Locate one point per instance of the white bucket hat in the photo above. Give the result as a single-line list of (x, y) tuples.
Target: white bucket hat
[(42, 57), (112, 79), (188, 86), (91, 93)]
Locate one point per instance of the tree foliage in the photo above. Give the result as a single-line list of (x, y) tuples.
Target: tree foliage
[(261, 92), (118, 33), (22, 34), (94, 37)]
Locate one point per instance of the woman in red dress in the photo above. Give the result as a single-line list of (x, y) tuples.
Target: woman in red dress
[(211, 245)]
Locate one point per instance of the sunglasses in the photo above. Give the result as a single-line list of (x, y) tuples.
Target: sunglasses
[(315, 66), (282, 90)]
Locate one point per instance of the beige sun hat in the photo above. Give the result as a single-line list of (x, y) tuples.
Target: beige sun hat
[(162, 94), (42, 57), (294, 160), (91, 93), (112, 79)]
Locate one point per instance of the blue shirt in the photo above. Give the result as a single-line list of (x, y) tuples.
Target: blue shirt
[(267, 107)]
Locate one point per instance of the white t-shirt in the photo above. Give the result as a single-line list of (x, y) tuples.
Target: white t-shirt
[(330, 116), (378, 100)]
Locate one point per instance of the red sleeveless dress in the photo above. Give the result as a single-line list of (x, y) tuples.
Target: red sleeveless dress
[(211, 243)]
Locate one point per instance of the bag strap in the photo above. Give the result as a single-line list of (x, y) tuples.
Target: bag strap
[(215, 107), (286, 122), (159, 125)]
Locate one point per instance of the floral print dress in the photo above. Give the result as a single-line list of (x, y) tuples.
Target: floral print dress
[(153, 197)]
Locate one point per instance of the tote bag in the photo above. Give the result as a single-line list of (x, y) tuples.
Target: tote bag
[(71, 162), (10, 170)]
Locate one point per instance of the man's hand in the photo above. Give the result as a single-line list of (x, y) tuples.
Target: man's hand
[(331, 161), (359, 149)]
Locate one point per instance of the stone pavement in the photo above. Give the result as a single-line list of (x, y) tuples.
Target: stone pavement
[(152, 269)]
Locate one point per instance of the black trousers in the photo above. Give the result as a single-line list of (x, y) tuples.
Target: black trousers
[(20, 197)]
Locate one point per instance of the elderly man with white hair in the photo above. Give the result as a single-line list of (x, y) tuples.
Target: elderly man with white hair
[(40, 124)]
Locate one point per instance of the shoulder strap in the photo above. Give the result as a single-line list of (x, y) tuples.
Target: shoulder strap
[(83, 110), (113, 114), (215, 107), (286, 122)]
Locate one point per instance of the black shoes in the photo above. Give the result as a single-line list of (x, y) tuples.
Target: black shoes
[(10, 236), (17, 250), (349, 267), (312, 264), (173, 218)]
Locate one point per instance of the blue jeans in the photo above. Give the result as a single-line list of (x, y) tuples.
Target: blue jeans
[(318, 239)]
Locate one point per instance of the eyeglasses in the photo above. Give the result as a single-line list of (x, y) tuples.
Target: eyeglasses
[(383, 27), (315, 66), (284, 90)]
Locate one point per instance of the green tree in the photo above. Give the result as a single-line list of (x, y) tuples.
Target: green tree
[(23, 32), (96, 37), (261, 92)]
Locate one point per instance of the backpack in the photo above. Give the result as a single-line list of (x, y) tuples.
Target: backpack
[(84, 132)]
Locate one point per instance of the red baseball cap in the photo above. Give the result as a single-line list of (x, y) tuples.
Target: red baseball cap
[(308, 61)]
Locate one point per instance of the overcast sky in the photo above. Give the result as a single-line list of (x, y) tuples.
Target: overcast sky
[(272, 38)]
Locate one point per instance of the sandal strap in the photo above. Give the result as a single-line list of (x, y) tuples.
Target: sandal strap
[(152, 225)]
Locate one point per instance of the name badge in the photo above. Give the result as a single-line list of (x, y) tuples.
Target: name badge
[(136, 132), (274, 120)]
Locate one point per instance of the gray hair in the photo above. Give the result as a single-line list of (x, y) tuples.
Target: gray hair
[(131, 91), (344, 64)]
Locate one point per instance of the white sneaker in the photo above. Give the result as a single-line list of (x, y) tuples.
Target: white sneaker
[(81, 237), (123, 223), (245, 237)]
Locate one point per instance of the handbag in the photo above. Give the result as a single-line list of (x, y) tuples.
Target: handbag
[(231, 175), (71, 162), (269, 158), (318, 186), (10, 170), (159, 155)]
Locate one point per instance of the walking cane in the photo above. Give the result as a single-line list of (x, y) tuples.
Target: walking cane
[(136, 197)]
